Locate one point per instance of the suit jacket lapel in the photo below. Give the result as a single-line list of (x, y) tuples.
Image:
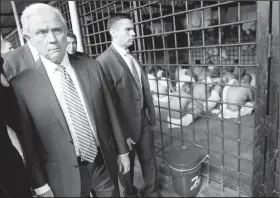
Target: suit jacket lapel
[(85, 86), (124, 65), (27, 57), (49, 96)]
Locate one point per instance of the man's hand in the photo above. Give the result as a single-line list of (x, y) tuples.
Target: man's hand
[(4, 81), (49, 193), (130, 142), (124, 163)]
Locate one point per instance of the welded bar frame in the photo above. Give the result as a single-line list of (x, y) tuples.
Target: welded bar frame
[(261, 98), (272, 125), (141, 49)]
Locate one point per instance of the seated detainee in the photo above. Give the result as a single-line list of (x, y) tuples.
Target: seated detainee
[(201, 92), (192, 112), (160, 84), (181, 102), (206, 91), (152, 79), (238, 96), (183, 74)]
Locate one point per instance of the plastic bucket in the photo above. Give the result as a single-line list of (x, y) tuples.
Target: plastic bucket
[(185, 164)]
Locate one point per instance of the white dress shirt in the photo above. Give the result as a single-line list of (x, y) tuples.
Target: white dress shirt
[(124, 55), (34, 52), (55, 79)]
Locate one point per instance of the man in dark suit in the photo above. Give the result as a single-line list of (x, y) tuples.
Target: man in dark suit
[(132, 97), (69, 127), (18, 60), (72, 46), (13, 178)]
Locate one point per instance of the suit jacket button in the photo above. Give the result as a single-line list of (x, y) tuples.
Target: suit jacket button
[(76, 166)]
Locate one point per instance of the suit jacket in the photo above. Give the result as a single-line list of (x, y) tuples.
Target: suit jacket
[(17, 60), (126, 93), (50, 153), (81, 54), (13, 180)]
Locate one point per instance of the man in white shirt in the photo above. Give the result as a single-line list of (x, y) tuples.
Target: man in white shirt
[(70, 131)]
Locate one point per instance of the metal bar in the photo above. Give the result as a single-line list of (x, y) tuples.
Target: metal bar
[(17, 22), (7, 26), (138, 41), (75, 24), (261, 101), (8, 14), (273, 113)]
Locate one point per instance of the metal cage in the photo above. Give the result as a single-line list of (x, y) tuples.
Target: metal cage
[(205, 38)]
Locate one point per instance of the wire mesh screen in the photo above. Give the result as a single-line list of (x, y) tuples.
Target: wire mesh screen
[(200, 58), (14, 39), (64, 8)]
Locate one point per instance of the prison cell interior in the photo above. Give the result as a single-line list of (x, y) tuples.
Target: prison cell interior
[(173, 35)]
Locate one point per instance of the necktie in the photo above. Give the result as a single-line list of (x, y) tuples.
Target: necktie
[(78, 117), (136, 76), (133, 69)]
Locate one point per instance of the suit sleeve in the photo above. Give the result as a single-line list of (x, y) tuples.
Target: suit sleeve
[(29, 142), (117, 130), (7, 69)]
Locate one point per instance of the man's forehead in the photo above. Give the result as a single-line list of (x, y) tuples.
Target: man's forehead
[(70, 38), (45, 17), (123, 23)]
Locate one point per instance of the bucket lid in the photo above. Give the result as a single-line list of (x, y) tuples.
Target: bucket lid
[(183, 157)]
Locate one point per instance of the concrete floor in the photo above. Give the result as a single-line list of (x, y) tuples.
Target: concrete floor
[(166, 186), (225, 137)]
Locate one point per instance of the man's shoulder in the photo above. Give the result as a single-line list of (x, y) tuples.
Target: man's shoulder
[(105, 55), (81, 59), (14, 53), (82, 54), (22, 78)]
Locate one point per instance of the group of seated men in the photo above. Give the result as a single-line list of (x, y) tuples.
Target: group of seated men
[(198, 90)]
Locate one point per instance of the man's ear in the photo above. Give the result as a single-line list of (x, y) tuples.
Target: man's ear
[(112, 33)]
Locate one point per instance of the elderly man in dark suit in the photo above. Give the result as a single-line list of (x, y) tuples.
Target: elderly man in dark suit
[(132, 96), (13, 178), (69, 127)]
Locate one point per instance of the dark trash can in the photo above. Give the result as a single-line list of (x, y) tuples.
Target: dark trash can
[(185, 165)]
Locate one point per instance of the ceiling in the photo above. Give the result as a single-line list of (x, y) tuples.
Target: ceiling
[(8, 23)]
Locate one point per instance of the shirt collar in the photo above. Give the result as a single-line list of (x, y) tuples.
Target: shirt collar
[(51, 67), (34, 52), (121, 51)]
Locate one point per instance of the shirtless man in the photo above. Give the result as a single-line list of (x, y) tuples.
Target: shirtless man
[(200, 92), (238, 96), (182, 102)]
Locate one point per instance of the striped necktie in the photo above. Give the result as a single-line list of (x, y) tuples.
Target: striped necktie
[(78, 117)]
